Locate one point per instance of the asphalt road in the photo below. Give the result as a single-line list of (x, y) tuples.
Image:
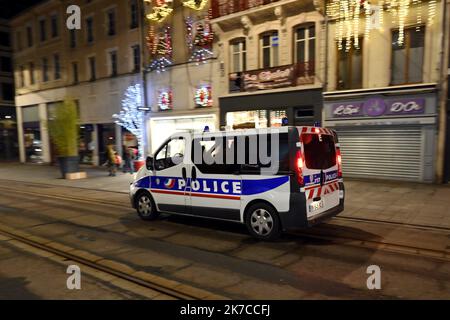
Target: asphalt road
[(216, 256)]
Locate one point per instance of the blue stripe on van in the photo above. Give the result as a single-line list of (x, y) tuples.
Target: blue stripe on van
[(251, 187), (214, 186)]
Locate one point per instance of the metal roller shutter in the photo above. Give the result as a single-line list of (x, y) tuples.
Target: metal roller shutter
[(382, 153)]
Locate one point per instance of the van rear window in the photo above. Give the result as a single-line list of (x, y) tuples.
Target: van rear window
[(320, 152)]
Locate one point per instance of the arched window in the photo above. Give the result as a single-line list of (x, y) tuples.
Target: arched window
[(238, 55), (268, 52)]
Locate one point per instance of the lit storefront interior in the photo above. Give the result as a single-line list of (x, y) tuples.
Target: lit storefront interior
[(162, 128), (32, 135), (262, 110)]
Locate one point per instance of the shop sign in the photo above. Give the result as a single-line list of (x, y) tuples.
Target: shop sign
[(269, 78), (377, 107)]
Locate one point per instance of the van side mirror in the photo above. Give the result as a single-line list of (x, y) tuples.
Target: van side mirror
[(149, 163)]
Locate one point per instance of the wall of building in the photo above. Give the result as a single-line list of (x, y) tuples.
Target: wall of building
[(182, 78), (377, 49), (98, 99)]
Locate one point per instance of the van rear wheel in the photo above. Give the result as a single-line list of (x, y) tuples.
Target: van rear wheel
[(145, 207), (262, 222)]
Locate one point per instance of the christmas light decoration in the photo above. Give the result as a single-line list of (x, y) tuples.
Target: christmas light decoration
[(161, 9), (200, 40), (195, 4), (165, 99), (431, 12), (160, 49), (347, 14), (203, 96), (131, 117)]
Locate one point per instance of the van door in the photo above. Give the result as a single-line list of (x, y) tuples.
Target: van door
[(320, 170), (215, 188), (169, 183)]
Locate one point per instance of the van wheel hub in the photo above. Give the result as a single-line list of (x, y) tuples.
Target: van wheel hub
[(261, 222)]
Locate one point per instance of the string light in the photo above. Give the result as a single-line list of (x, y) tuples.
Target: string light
[(203, 96), (195, 4), (160, 10), (160, 48), (200, 43), (347, 13), (419, 14), (165, 99), (367, 12), (431, 12), (381, 14)]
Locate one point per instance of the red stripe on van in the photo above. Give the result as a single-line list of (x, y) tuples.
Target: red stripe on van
[(178, 193), (216, 196)]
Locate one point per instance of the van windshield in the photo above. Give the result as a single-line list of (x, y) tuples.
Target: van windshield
[(320, 152)]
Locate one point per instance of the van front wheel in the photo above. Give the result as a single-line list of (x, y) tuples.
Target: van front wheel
[(262, 222), (145, 207)]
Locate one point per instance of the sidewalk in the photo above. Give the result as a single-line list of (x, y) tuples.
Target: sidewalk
[(97, 177), (402, 202)]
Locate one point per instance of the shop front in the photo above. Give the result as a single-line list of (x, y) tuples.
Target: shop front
[(270, 109), (386, 135), (32, 135), (9, 149)]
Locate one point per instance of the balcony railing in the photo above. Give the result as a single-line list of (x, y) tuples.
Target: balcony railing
[(272, 78), (222, 8)]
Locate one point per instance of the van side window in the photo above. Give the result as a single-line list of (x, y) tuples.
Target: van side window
[(170, 154), (216, 155)]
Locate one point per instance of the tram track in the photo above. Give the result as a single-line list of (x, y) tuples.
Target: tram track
[(314, 234), (166, 288)]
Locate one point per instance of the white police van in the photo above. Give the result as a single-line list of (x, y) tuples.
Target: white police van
[(225, 175)]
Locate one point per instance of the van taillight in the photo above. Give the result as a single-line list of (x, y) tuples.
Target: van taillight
[(339, 162), (300, 165)]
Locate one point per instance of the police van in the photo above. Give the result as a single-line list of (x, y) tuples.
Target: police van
[(272, 180)]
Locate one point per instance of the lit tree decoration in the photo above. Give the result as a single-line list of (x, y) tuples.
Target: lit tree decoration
[(195, 4), (160, 48), (131, 117), (203, 96), (200, 42), (161, 9)]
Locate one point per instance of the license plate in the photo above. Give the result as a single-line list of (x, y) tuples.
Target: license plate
[(316, 206)]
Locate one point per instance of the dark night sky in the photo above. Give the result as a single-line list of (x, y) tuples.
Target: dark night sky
[(9, 8)]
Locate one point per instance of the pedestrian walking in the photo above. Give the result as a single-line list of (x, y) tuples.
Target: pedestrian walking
[(111, 160)]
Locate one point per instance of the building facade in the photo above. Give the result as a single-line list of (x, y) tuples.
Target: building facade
[(181, 68), (93, 65), (8, 127), (271, 56), (384, 90)]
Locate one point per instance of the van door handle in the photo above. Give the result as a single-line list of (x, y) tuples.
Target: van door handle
[(194, 174), (183, 173)]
